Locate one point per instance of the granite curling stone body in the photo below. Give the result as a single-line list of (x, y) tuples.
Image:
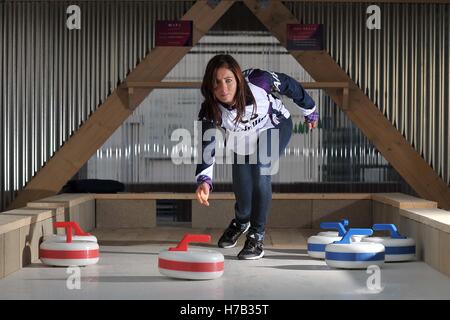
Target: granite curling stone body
[(349, 254), (397, 247), (317, 243), (194, 264), (66, 252)]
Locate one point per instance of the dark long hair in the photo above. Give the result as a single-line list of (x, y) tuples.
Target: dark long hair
[(210, 109)]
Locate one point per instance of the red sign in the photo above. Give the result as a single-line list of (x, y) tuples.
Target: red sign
[(305, 37), (173, 33)]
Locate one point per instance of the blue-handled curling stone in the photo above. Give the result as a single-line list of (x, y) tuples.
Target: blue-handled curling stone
[(317, 243), (397, 247), (348, 254)]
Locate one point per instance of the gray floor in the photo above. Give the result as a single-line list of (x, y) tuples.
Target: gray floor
[(130, 272)]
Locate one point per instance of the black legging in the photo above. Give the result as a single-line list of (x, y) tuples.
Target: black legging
[(252, 185)]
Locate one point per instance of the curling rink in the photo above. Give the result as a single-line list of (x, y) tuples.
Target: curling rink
[(128, 269)]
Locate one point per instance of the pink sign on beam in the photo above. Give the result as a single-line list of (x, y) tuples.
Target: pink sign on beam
[(173, 33), (305, 36)]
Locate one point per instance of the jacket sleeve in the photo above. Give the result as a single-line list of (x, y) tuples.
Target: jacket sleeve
[(283, 84), (204, 171)]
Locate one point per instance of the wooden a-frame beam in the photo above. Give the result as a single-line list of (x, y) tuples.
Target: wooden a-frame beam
[(132, 86), (361, 110), (92, 134)]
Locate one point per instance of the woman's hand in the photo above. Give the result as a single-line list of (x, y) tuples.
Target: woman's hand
[(312, 125), (312, 119), (203, 193)]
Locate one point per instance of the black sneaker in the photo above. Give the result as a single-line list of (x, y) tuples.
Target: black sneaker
[(231, 235), (253, 249)]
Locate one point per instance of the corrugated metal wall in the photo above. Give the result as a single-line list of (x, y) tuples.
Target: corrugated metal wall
[(53, 78), (139, 152), (404, 67), (336, 157)]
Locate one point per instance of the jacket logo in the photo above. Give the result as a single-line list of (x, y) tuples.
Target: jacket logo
[(253, 123), (253, 117), (276, 82)]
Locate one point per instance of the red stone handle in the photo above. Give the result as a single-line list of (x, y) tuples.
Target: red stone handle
[(69, 225), (188, 238)]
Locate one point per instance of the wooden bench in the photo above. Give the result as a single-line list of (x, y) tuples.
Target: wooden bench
[(287, 210), (21, 231), (79, 207), (421, 220)]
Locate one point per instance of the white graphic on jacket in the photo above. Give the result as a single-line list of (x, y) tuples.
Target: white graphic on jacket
[(269, 111)]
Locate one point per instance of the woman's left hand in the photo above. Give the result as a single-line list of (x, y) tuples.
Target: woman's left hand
[(312, 119), (203, 193), (312, 125)]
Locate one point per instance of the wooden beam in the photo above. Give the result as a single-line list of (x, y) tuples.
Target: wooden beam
[(115, 110), (360, 109), (230, 196), (132, 86), (189, 85), (345, 98)]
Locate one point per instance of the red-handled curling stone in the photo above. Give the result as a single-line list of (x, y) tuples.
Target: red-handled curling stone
[(79, 235), (68, 251), (195, 264)]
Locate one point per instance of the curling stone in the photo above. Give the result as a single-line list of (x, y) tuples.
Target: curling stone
[(79, 235), (68, 252), (317, 243), (349, 254), (397, 247), (194, 264)]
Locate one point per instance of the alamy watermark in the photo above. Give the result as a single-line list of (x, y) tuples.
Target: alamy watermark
[(373, 283), (374, 20), (73, 281), (238, 147), (74, 20)]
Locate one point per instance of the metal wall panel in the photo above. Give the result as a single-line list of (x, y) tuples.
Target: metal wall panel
[(53, 78), (336, 157), (404, 67)]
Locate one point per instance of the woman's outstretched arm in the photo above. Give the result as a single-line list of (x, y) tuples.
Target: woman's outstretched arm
[(204, 171)]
